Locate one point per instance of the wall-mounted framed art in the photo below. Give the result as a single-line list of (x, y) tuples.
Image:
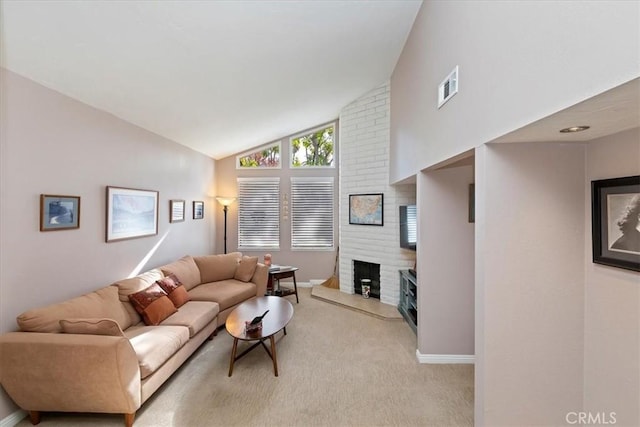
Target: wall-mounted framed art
[(615, 210), (366, 209), (198, 209), (176, 210), (131, 213), (59, 212)]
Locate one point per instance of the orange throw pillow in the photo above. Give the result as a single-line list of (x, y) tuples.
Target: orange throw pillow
[(153, 304), (175, 290)]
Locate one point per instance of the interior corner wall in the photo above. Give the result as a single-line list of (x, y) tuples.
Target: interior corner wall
[(530, 241), (612, 299), (52, 144), (445, 263), (560, 53)]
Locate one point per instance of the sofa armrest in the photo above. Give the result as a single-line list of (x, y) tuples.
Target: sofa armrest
[(260, 278), (70, 372)]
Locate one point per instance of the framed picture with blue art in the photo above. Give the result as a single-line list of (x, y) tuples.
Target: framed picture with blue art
[(59, 212), (615, 212), (131, 213), (366, 209)]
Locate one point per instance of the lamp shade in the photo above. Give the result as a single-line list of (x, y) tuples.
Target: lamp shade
[(225, 201)]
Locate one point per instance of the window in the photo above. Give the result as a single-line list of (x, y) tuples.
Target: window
[(312, 213), (267, 156), (313, 148), (258, 213)]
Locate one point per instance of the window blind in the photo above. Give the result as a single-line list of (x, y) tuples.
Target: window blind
[(258, 213), (312, 202)]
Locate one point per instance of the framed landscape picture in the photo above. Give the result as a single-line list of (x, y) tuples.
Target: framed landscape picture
[(198, 210), (59, 212), (615, 209), (366, 209), (131, 213), (176, 210)]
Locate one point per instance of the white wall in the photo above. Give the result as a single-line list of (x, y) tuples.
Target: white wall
[(519, 62), (529, 283), (612, 299), (364, 168), (445, 264), (51, 144)]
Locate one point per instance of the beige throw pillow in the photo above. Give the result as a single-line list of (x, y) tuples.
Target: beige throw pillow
[(91, 326), (246, 268)]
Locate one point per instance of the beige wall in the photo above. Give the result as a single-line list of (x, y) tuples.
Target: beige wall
[(52, 144), (445, 263), (612, 299), (529, 283), (313, 265), (519, 62)]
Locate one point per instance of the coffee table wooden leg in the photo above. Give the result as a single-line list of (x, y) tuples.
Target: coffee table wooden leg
[(295, 287), (273, 354), (234, 349)]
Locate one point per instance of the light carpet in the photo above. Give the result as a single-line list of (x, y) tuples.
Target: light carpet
[(337, 367)]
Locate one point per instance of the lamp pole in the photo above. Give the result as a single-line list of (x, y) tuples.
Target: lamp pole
[(226, 208)]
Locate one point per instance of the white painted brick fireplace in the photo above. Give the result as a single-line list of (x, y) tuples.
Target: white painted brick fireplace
[(364, 168)]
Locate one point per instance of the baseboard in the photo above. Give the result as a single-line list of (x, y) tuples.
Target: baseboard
[(469, 359), (299, 284), (13, 419)]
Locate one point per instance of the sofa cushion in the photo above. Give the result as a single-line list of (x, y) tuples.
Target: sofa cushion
[(153, 304), (185, 269), (154, 345), (174, 289), (91, 326), (102, 303), (226, 293), (217, 267), (136, 284), (195, 315), (246, 268)]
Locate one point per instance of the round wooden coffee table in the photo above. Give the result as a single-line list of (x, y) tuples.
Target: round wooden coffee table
[(280, 313)]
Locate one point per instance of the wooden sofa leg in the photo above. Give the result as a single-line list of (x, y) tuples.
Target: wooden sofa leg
[(128, 419), (34, 417)]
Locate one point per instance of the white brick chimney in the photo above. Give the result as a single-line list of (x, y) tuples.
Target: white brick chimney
[(364, 168)]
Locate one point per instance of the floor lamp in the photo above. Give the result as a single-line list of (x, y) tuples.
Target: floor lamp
[(225, 202)]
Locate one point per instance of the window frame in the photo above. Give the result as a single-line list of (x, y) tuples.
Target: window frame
[(307, 132), (271, 197), (331, 220), (258, 149)]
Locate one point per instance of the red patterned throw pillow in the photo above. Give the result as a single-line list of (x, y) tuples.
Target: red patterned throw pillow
[(175, 290), (153, 304)]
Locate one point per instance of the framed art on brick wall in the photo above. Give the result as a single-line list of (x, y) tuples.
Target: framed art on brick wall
[(366, 209)]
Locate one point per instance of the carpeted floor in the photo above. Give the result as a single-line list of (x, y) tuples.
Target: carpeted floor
[(337, 367)]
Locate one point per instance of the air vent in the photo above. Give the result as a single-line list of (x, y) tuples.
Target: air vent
[(448, 87)]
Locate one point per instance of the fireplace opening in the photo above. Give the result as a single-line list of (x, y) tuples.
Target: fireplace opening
[(366, 270)]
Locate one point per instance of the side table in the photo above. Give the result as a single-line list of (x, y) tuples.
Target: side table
[(282, 273)]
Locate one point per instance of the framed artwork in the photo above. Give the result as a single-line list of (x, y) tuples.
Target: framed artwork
[(615, 210), (59, 212), (366, 209), (131, 213), (176, 210), (198, 210)]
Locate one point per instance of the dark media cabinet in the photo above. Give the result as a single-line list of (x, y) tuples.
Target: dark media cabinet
[(408, 305)]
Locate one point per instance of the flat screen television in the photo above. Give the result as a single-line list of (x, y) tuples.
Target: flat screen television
[(408, 227)]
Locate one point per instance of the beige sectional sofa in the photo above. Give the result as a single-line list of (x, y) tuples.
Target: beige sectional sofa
[(108, 351)]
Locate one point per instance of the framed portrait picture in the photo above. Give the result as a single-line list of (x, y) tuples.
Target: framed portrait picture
[(131, 213), (615, 209), (198, 210), (176, 210), (59, 212), (366, 209)]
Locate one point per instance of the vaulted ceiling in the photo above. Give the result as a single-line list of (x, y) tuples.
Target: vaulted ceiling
[(217, 76)]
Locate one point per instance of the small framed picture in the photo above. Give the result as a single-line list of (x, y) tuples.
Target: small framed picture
[(198, 210), (176, 210), (59, 212), (366, 209), (615, 209)]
